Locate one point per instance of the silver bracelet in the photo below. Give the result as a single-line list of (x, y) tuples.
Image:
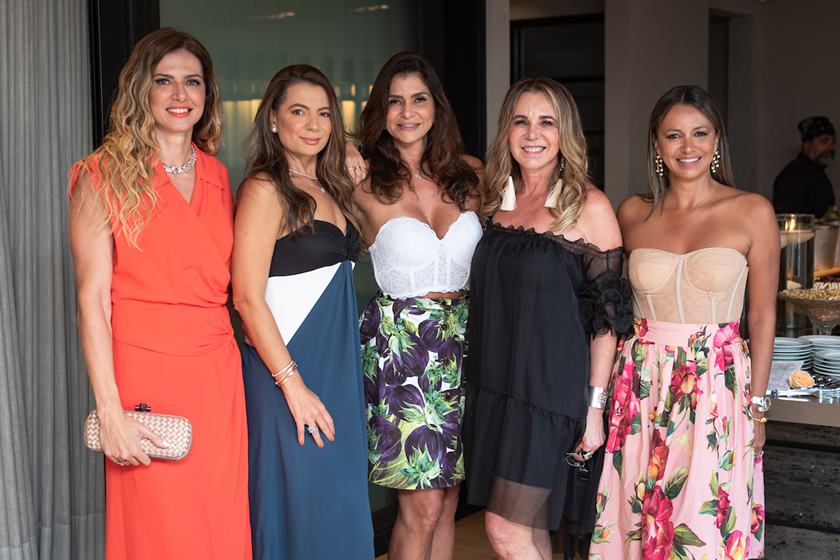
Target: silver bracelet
[(597, 397)]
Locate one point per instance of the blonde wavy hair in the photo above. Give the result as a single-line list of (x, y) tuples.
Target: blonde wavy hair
[(501, 165), (129, 153)]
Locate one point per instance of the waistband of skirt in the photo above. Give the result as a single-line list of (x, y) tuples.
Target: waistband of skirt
[(681, 334), (440, 303)]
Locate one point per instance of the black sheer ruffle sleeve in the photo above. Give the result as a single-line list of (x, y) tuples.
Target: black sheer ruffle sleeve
[(607, 305)]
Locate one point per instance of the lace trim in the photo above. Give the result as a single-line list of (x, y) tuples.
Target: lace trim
[(608, 305), (578, 246)]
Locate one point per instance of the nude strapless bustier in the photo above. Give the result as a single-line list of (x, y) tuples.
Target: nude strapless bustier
[(703, 286)]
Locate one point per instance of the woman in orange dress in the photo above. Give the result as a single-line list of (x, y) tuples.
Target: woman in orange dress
[(151, 231)]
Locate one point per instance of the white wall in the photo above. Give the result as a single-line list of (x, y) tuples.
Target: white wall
[(651, 46), (783, 67), (798, 77), (497, 45)]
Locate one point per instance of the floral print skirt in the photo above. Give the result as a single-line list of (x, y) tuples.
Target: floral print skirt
[(680, 479), (412, 354)]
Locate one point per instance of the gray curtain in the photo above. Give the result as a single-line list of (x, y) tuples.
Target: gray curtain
[(51, 487)]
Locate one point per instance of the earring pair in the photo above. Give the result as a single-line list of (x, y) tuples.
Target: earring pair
[(509, 193)]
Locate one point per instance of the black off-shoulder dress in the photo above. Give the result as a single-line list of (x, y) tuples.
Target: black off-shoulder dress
[(536, 299)]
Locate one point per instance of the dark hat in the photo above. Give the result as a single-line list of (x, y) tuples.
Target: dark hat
[(815, 126)]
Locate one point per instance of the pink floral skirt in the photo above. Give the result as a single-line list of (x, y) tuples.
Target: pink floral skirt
[(681, 479)]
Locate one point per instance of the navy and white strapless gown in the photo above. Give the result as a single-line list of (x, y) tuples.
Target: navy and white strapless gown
[(310, 503)]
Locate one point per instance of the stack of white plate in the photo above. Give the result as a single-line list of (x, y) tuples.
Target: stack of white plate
[(827, 362), (793, 350), (822, 342)]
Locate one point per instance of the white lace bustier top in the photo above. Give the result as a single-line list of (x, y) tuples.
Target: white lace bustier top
[(409, 259)]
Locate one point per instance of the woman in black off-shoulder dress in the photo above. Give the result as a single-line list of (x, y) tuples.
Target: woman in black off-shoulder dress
[(547, 301)]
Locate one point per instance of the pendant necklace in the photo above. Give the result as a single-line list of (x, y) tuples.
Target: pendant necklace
[(310, 177)]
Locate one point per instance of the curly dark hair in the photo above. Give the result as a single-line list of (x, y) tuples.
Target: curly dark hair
[(442, 159)]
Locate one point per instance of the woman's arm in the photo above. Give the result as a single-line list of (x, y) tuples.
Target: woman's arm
[(599, 226), (762, 286), (91, 243), (259, 221)]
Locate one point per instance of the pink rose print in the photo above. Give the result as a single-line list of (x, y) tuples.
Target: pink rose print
[(736, 546), (723, 506), (723, 338), (757, 520), (625, 408), (658, 457), (657, 528)]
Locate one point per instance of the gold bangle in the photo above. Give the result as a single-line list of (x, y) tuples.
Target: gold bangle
[(760, 419)]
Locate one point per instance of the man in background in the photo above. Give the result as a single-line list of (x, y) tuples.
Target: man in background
[(803, 187)]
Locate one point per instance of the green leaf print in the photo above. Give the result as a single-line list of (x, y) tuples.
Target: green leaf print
[(635, 535), (726, 461), (644, 384), (421, 469), (678, 551), (675, 484), (729, 380), (370, 361), (709, 508), (617, 461), (713, 484), (686, 536), (636, 424), (729, 525), (601, 534), (712, 439), (451, 373)]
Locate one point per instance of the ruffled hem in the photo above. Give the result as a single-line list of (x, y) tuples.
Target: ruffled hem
[(608, 306), (515, 461)]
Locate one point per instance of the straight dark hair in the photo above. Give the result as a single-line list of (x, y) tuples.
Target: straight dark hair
[(267, 155), (699, 98), (442, 158)]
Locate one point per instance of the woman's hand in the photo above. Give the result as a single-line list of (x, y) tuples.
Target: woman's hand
[(120, 435), (309, 412), (593, 436), (760, 436), (356, 165)]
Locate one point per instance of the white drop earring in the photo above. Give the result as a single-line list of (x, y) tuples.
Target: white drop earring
[(508, 196), (554, 193)]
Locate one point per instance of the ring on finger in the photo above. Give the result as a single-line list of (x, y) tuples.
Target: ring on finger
[(122, 462), (311, 428)]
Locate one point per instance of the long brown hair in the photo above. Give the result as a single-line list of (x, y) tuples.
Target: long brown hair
[(129, 152), (501, 165), (699, 98), (442, 156), (267, 156)]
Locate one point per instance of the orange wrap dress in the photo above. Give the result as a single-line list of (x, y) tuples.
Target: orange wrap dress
[(174, 350)]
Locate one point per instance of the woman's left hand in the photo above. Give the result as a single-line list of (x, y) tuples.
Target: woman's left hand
[(356, 165), (593, 436)]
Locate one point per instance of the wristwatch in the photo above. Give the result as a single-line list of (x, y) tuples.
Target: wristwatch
[(762, 404)]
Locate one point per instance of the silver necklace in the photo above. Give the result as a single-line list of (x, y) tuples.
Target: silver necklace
[(185, 167), (310, 177)]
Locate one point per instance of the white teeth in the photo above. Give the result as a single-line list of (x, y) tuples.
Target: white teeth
[(689, 160), (179, 111), (533, 149)]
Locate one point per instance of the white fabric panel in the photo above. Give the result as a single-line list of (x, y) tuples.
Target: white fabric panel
[(291, 298)]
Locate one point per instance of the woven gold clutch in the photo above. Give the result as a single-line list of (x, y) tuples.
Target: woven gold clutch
[(175, 430)]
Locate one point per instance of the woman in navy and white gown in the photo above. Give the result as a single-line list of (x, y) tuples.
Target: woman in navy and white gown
[(293, 286)]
